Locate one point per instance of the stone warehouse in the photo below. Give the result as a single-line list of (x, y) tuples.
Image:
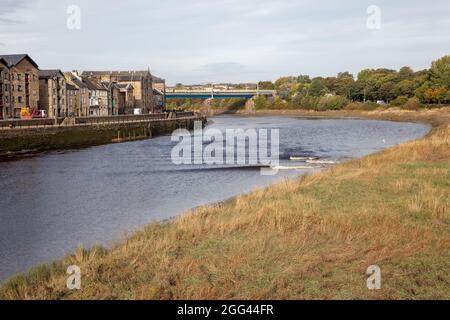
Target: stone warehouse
[(52, 93), (140, 83), (27, 92), (19, 84)]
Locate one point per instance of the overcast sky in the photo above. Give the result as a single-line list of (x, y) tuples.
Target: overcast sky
[(197, 41)]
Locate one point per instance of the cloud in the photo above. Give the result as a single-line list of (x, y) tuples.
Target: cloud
[(9, 8), (227, 40)]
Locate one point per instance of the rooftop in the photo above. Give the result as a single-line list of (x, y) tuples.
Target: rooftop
[(122, 75), (14, 59), (46, 74), (71, 87), (93, 84)]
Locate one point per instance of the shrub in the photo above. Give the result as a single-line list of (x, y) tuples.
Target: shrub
[(412, 104), (368, 106), (304, 102), (331, 103), (230, 104), (278, 103), (260, 103), (399, 101)]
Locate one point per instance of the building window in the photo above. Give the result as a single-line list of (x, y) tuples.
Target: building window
[(19, 99), (19, 88), (19, 77)]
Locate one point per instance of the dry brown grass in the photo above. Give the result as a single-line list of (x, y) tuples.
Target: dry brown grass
[(311, 238)]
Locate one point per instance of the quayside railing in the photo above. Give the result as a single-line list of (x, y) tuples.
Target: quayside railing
[(54, 122)]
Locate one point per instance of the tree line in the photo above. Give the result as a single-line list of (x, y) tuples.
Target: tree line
[(371, 86), (370, 89)]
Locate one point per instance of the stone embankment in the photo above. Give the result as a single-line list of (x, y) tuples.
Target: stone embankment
[(22, 137)]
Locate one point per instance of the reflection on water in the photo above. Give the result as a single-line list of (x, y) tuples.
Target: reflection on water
[(52, 203)]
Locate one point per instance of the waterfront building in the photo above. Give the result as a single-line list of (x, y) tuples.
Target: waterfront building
[(4, 88), (126, 97), (20, 85), (98, 97), (115, 103), (52, 93), (73, 99), (144, 101), (159, 91), (82, 108)]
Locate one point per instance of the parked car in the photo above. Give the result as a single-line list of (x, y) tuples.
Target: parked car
[(39, 114)]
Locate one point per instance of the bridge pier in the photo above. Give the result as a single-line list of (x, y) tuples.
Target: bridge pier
[(250, 105)]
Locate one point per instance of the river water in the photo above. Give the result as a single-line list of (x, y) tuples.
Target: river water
[(52, 203)]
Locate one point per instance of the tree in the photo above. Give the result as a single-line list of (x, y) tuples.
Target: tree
[(366, 84), (266, 85), (260, 102), (303, 79), (404, 88), (420, 91), (317, 87), (285, 83), (344, 84), (386, 91), (405, 73), (440, 72), (435, 94)]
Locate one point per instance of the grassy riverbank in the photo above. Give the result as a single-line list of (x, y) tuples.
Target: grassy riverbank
[(312, 237)]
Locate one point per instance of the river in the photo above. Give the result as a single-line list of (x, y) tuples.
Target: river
[(54, 202)]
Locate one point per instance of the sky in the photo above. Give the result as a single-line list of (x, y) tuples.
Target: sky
[(200, 41)]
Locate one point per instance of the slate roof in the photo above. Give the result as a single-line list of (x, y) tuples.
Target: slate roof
[(121, 75), (47, 74), (14, 59), (3, 61), (71, 87), (125, 86), (158, 79), (77, 82), (93, 84)]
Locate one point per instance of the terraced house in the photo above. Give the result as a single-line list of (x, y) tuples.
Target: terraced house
[(144, 100), (114, 101), (80, 102), (159, 90), (4, 87), (19, 85), (126, 98), (52, 93), (73, 98), (98, 98)]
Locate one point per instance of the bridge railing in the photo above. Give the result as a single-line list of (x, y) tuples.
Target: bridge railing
[(221, 91)]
